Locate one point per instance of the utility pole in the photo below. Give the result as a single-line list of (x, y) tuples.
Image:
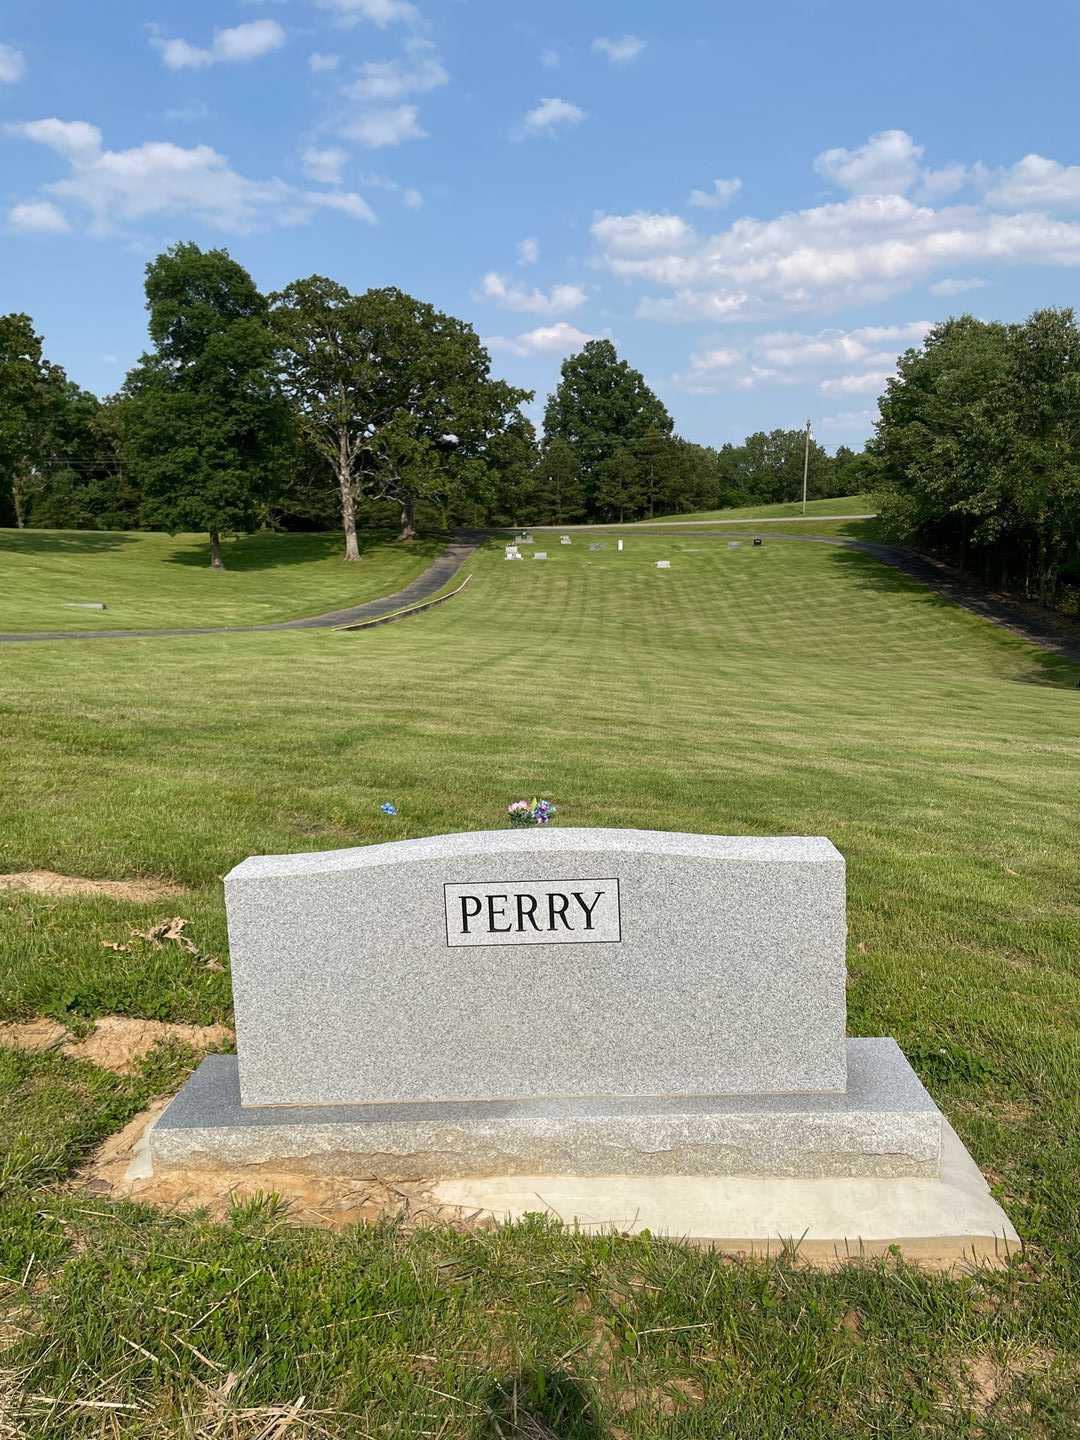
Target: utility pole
[(805, 466)]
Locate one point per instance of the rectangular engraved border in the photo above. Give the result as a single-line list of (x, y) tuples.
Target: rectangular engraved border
[(593, 879)]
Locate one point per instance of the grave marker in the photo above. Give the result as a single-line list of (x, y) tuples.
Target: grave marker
[(620, 1017)]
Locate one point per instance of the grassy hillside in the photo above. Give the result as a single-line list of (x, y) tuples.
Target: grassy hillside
[(792, 689), (841, 505), (153, 580)]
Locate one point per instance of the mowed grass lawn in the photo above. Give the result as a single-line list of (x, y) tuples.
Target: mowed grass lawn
[(151, 581), (836, 505), (791, 689)]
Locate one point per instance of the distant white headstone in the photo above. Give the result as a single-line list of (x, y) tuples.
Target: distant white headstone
[(663, 564), (620, 544), (564, 540), (539, 554)]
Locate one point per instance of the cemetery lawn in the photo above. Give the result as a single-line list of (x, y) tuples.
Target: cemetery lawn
[(836, 505), (152, 580), (791, 689)]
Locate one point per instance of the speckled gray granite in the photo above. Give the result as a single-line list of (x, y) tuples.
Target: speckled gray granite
[(539, 964), (885, 1126)]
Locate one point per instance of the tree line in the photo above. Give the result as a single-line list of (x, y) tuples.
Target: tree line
[(314, 407), (977, 452)]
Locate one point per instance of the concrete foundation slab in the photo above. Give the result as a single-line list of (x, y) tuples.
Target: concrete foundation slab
[(885, 1126), (937, 1221)]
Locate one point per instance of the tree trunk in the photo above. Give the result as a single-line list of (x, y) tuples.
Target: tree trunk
[(348, 507), (408, 518), (216, 562), (19, 499)]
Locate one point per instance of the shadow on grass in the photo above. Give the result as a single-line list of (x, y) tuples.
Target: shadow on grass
[(859, 529), (538, 1404), (271, 549), (65, 542), (919, 579)]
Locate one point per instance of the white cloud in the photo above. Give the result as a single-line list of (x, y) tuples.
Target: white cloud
[(620, 51), (868, 345), (386, 80), (560, 300), (869, 382), (12, 65), (528, 251), (694, 305), (720, 196), (347, 201), (888, 164), (379, 12), (549, 115), (858, 250), (411, 198), (319, 62), (642, 233), (73, 138), (378, 129), (40, 217), (235, 45), (867, 355), (560, 339), (958, 286), (940, 184), (179, 55), (249, 42), (848, 421), (709, 360), (1034, 180), (158, 178), (325, 166), (549, 59)]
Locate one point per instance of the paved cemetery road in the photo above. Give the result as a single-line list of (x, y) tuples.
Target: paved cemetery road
[(425, 585)]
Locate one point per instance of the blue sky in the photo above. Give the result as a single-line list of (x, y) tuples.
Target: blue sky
[(761, 205)]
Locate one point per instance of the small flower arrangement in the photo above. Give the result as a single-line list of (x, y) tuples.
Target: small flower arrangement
[(388, 809), (531, 812)]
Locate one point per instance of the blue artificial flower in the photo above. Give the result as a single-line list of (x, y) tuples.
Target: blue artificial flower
[(388, 809)]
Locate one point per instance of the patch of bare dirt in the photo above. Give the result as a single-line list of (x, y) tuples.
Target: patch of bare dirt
[(666, 1399), (116, 1043), (47, 882), (985, 1380), (35, 1036), (326, 1201)]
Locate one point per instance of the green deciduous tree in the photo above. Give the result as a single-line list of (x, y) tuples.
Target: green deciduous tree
[(430, 382), (602, 405), (31, 392), (324, 357), (977, 449), (558, 496), (201, 420), (396, 396), (618, 490), (83, 484)]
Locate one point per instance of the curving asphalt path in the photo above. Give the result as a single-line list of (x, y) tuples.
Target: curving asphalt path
[(432, 580)]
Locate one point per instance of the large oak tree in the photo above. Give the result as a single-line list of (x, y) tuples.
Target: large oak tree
[(396, 396), (201, 421)]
